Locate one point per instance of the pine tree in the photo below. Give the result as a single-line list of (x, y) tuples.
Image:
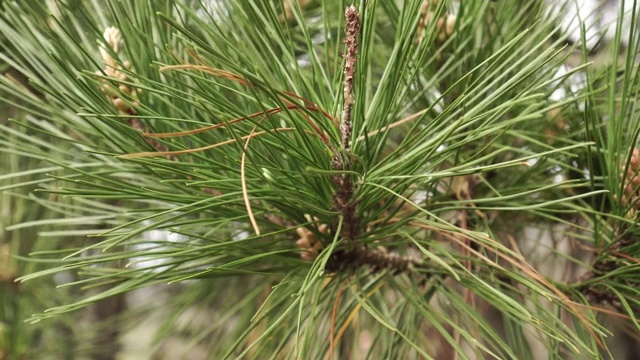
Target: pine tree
[(327, 180)]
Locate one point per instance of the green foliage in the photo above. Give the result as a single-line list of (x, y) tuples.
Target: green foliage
[(219, 125)]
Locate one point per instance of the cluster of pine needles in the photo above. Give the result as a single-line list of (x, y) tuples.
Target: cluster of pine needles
[(383, 179)]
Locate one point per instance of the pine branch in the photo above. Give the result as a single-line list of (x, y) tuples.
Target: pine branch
[(448, 142)]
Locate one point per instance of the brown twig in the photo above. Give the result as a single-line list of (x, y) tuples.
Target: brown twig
[(353, 30), (355, 256), (342, 198)]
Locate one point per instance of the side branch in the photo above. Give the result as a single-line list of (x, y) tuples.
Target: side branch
[(377, 259)]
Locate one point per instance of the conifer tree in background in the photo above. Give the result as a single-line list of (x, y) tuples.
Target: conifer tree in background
[(327, 180)]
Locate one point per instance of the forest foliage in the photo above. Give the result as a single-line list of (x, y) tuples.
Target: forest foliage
[(321, 179)]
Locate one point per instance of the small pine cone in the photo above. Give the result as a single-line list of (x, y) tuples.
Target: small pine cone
[(114, 70), (308, 242), (631, 194), (444, 25)]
